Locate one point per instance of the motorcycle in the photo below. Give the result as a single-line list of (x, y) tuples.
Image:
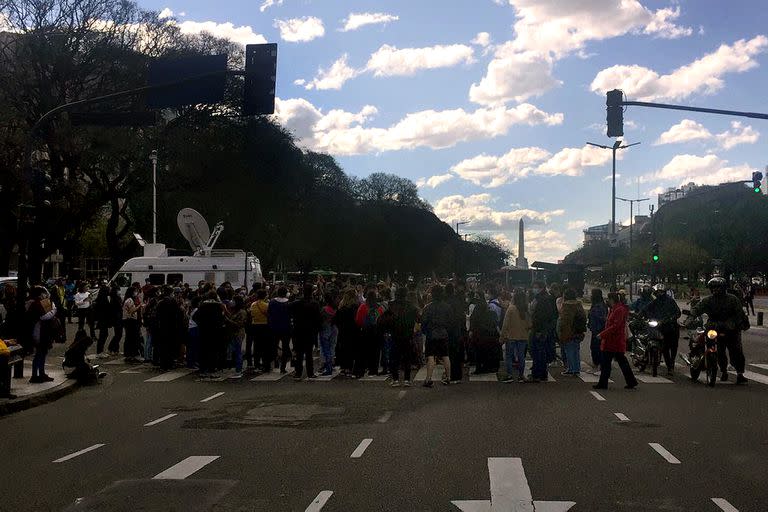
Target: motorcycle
[(646, 341), (702, 356)]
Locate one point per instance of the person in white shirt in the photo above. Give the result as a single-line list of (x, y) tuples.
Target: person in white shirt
[(83, 305)]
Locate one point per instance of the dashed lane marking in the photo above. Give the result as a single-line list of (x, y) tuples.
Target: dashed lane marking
[(319, 502), (360, 450), (385, 417), (664, 453), (621, 416), (724, 505), (212, 397), (160, 420), (598, 396), (186, 467), (77, 454)]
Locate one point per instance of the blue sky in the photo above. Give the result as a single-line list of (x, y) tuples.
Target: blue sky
[(487, 104)]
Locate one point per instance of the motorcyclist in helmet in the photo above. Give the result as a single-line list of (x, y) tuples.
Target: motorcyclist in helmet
[(664, 310), (645, 298), (725, 311)]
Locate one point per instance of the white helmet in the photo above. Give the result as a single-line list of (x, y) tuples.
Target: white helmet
[(659, 288)]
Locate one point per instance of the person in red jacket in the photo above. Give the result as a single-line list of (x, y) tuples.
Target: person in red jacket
[(613, 343)]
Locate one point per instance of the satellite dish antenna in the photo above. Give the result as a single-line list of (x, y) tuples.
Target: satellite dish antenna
[(194, 228)]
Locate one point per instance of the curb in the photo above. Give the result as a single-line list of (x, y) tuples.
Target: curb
[(21, 404)]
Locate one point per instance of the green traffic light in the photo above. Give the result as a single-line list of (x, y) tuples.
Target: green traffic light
[(655, 257), (757, 190)]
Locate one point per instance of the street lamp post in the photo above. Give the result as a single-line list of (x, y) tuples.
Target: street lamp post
[(631, 225), (616, 146), (153, 159), (460, 224)]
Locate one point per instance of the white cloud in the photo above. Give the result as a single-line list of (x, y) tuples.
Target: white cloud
[(300, 30), (703, 170), (165, 13), (269, 3), (356, 20), (390, 61), (704, 75), (688, 130), (577, 224), (344, 133), (610, 177), (242, 35), (572, 161), (481, 216), (545, 245), (433, 181), (333, 77), (494, 171), (482, 39), (549, 30)]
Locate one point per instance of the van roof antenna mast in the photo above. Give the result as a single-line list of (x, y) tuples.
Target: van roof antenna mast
[(217, 229)]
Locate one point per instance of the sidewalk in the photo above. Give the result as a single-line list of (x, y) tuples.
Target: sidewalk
[(31, 395)]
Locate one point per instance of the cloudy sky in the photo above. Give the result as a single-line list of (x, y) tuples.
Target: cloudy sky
[(487, 104)]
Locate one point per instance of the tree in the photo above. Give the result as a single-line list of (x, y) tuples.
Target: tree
[(391, 188)]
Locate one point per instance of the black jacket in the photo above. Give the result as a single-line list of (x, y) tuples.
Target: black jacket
[(544, 313)]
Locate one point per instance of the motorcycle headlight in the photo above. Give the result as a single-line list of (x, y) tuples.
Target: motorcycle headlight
[(712, 334), (653, 323)]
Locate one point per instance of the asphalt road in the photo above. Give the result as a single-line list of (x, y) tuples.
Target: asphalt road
[(274, 446)]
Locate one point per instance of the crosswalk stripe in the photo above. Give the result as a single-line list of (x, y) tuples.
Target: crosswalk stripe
[(160, 420), (591, 379), (664, 453), (272, 376), (319, 502), (186, 467), (724, 505), (757, 377), (650, 379), (760, 365), (171, 376)]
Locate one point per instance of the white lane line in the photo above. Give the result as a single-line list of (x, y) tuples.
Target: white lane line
[(77, 454), (597, 396), (724, 505), (621, 416), (757, 377), (133, 371), (365, 443), (217, 395), (664, 453), (170, 376), (319, 502), (401, 394), (160, 420), (385, 417), (187, 467)]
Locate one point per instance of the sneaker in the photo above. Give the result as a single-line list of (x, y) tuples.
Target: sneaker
[(427, 384), (521, 379), (566, 373), (508, 378), (741, 379), (724, 377), (236, 375), (46, 378), (446, 382), (395, 384), (103, 355), (407, 384), (326, 374), (532, 380), (312, 376)]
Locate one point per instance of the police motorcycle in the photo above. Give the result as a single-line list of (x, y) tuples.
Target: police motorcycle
[(645, 342), (702, 343)]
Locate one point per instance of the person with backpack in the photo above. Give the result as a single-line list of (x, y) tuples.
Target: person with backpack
[(279, 324), (435, 322), (305, 313), (514, 336), (367, 318), (571, 327)]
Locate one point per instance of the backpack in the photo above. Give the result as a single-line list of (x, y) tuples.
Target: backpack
[(371, 319)]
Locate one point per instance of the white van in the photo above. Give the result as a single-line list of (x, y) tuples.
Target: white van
[(237, 267)]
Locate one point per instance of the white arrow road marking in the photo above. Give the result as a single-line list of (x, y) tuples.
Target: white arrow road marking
[(319, 502), (510, 491), (724, 505)]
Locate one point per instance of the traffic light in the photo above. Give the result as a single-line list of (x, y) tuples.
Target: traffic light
[(260, 79), (41, 188), (757, 181), (655, 252), (615, 117)]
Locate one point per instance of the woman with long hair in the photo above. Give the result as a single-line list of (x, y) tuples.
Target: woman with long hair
[(348, 340), (514, 335), (131, 308)]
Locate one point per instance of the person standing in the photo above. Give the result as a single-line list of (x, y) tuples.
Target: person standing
[(279, 323), (328, 334), (235, 322), (403, 316), (259, 345), (69, 298), (514, 335), (435, 322), (664, 309), (484, 333), (367, 319), (169, 329), (131, 309), (543, 322), (41, 313), (457, 332), (209, 318), (116, 319), (305, 313), (598, 313), (102, 313), (83, 305), (571, 327), (613, 343), (749, 298), (193, 336), (348, 343)]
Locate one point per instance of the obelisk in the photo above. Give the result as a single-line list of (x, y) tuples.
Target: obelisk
[(521, 261)]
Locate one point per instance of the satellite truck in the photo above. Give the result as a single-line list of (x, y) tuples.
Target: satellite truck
[(206, 263)]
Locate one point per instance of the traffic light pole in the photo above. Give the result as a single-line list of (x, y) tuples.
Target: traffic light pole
[(754, 115)]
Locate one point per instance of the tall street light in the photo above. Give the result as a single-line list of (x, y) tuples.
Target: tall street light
[(153, 159), (631, 225), (460, 224), (616, 146)]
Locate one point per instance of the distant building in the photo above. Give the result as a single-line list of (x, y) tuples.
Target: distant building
[(598, 233), (673, 194), (623, 235)]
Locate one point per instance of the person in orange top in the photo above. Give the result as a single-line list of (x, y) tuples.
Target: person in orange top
[(259, 350)]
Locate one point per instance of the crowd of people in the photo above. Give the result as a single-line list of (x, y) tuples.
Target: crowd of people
[(373, 329)]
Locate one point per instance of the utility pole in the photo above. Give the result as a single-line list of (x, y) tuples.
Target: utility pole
[(153, 159), (616, 146), (631, 226), (460, 224)]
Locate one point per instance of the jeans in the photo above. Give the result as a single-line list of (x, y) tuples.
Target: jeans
[(236, 347), (282, 340), (594, 347), (572, 356), (328, 337), (103, 335), (514, 357), (539, 344), (38, 362), (550, 340), (148, 349), (193, 347)]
